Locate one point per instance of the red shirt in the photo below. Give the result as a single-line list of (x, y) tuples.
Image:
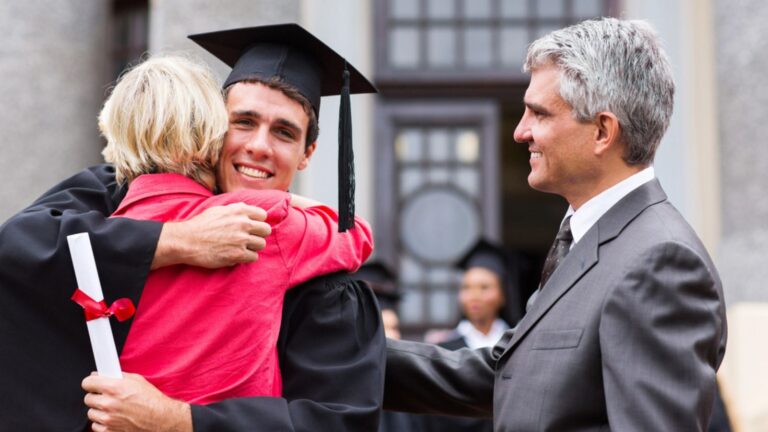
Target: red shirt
[(203, 335)]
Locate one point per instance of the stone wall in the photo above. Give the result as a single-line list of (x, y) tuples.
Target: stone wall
[(742, 67), (54, 72)]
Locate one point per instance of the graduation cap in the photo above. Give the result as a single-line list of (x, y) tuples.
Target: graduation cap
[(487, 255), (294, 56), (383, 282)]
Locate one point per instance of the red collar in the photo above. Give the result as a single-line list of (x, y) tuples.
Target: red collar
[(150, 185)]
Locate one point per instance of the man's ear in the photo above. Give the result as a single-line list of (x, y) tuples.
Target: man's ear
[(308, 152), (607, 133)]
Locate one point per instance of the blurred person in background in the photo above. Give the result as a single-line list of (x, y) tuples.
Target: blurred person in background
[(486, 291)]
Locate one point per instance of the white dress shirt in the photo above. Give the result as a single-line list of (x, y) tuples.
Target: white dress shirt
[(477, 339), (591, 211)]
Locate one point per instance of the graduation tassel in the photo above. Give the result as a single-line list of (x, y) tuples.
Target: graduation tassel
[(346, 160)]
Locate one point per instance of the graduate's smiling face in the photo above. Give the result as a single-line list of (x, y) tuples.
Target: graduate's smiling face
[(265, 143)]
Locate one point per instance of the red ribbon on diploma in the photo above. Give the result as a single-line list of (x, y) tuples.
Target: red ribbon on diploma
[(121, 308)]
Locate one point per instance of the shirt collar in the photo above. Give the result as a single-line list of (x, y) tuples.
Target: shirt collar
[(474, 338), (150, 185), (591, 211)]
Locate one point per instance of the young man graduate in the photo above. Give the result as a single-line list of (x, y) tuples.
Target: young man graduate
[(331, 342)]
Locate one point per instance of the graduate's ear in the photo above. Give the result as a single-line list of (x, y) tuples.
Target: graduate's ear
[(308, 152), (607, 133)]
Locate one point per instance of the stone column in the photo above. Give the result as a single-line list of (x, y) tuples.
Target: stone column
[(742, 67), (53, 74)]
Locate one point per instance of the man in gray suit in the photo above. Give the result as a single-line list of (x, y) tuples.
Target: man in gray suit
[(628, 326)]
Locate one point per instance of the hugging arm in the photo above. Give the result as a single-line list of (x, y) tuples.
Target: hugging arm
[(331, 349)]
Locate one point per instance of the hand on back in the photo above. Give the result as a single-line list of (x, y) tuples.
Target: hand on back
[(218, 237)]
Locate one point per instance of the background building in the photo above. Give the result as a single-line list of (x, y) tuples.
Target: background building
[(437, 166)]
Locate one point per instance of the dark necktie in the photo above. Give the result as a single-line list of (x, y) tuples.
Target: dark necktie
[(558, 251)]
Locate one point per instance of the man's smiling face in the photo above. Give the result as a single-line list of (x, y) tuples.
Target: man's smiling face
[(562, 149), (265, 143)]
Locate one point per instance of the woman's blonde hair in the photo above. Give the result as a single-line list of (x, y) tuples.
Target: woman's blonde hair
[(166, 115)]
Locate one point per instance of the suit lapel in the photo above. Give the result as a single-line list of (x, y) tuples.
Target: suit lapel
[(584, 255)]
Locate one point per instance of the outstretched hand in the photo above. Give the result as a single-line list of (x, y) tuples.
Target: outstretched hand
[(218, 237), (132, 404)]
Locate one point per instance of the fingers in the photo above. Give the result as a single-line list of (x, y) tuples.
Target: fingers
[(96, 384), (95, 401), (256, 213), (99, 418), (255, 243), (260, 229)]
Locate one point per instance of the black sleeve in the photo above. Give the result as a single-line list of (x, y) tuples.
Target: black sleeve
[(332, 350), (46, 351), (428, 379)]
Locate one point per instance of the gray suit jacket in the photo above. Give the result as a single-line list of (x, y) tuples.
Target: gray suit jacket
[(626, 336)]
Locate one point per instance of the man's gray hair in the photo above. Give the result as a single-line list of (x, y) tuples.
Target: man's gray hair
[(616, 66)]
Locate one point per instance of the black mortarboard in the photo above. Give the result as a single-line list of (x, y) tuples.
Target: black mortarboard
[(487, 255), (296, 57), (383, 282)]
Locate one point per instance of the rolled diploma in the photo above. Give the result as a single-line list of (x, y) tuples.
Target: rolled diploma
[(99, 330)]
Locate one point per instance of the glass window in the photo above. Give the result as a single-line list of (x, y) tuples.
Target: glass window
[(411, 307), (514, 8), (467, 146), (410, 270), (441, 46), (444, 276), (588, 8), (404, 47), (438, 224), (444, 306), (409, 145), (468, 180), (439, 145), (546, 29), (440, 9), (513, 45), (550, 8), (478, 46), (439, 176), (471, 37), (477, 9), (404, 9), (411, 180)]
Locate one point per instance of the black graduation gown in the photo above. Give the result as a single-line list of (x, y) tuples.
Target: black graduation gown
[(331, 346), (435, 423)]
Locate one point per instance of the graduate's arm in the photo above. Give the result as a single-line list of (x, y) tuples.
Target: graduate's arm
[(428, 379), (44, 339), (33, 242), (331, 349)]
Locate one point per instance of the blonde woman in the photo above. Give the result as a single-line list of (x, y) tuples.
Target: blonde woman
[(204, 335)]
